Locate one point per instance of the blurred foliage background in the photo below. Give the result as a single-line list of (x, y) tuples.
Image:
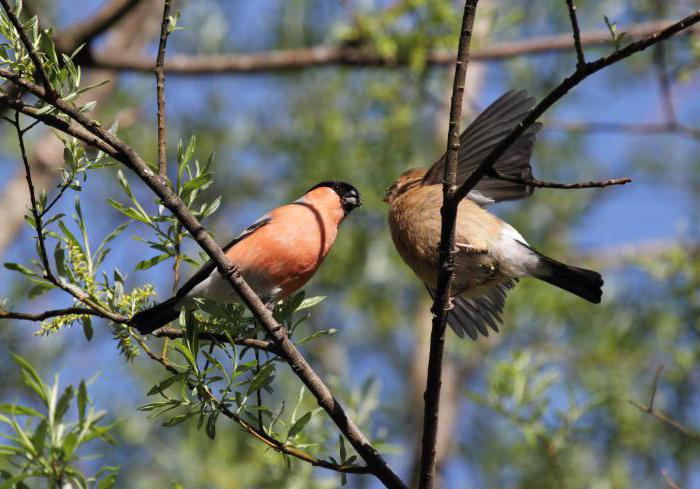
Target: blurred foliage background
[(544, 404)]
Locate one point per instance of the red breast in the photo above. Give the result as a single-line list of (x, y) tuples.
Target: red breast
[(289, 249)]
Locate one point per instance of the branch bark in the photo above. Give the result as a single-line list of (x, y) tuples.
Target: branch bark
[(160, 89), (448, 212), (339, 55)]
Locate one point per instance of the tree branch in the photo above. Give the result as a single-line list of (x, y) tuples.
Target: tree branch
[(40, 316), (563, 88), (84, 32), (123, 153), (664, 418), (448, 212), (339, 55), (160, 89), (533, 182), (580, 58)]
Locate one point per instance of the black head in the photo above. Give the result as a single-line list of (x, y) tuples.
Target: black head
[(349, 196)]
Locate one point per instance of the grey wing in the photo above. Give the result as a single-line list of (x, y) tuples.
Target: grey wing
[(468, 317), (482, 135), (206, 269)]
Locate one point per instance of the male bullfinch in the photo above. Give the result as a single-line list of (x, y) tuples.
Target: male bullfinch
[(490, 254), (276, 255)]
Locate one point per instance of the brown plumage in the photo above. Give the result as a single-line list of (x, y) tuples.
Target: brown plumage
[(276, 255), (490, 254)]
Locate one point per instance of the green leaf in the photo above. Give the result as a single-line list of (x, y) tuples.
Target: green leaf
[(151, 262), (17, 409), (164, 384), (16, 267), (31, 377), (299, 425), (318, 334), (82, 401), (63, 403), (261, 378), (88, 331), (211, 425), (310, 302)]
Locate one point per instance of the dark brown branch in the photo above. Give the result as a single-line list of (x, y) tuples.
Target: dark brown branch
[(580, 58), (122, 152), (663, 417), (533, 182), (332, 55), (40, 316), (160, 89), (563, 88), (105, 18), (441, 305)]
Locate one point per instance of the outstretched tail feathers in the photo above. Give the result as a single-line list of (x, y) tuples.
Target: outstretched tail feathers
[(157, 316), (586, 284)]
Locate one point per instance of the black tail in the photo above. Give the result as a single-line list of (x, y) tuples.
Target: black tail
[(148, 321), (586, 284)]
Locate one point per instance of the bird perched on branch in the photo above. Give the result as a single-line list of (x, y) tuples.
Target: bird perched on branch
[(490, 254), (276, 255)]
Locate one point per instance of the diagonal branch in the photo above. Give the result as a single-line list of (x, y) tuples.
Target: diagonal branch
[(448, 212), (123, 153), (105, 18), (563, 88)]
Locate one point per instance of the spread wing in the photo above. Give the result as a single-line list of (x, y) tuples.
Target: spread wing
[(472, 316), (482, 135), (206, 269)]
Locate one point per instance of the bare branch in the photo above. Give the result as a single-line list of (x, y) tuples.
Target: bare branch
[(40, 316), (663, 417), (339, 55), (441, 305), (563, 88), (84, 32), (160, 89), (533, 182), (580, 58)]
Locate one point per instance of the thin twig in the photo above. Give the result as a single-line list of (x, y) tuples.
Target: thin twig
[(160, 89), (661, 416), (563, 88), (333, 55), (123, 153), (580, 58), (40, 316), (43, 77), (441, 305), (257, 344), (533, 182)]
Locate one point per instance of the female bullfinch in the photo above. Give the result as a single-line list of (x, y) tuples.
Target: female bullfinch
[(276, 255), (490, 254)]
